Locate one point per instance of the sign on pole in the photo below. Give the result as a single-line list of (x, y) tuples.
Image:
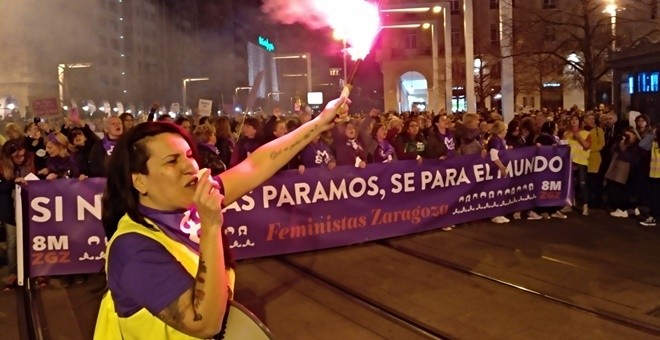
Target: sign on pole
[(204, 107), (175, 107), (46, 107)]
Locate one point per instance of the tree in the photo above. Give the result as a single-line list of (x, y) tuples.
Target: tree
[(486, 78), (580, 29)]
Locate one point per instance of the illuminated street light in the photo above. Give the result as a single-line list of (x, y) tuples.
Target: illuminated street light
[(611, 8), (185, 82), (308, 60), (412, 8), (417, 25)]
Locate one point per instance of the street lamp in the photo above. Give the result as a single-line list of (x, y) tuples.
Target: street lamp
[(240, 88), (611, 9), (412, 8), (60, 76), (338, 35), (308, 59), (184, 94)]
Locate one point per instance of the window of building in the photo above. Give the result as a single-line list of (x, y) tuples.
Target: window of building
[(547, 4), (411, 40), (454, 7), (494, 4), (648, 82), (494, 34)]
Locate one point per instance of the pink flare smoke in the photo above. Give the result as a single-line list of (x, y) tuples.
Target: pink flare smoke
[(357, 21)]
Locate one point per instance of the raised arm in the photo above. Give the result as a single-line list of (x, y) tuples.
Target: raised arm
[(266, 160)]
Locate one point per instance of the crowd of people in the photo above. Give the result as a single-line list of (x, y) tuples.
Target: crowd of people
[(615, 159)]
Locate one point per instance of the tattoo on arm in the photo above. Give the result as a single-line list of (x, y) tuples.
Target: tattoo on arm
[(174, 313), (305, 138), (198, 292)]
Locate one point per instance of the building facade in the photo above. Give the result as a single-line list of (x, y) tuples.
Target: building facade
[(556, 63), (105, 51)]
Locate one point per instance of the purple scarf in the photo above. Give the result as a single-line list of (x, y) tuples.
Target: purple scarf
[(181, 225), (108, 144)]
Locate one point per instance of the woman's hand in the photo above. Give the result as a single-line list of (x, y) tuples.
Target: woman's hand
[(332, 165), (20, 180), (51, 177), (301, 169), (208, 200), (43, 171), (335, 111), (82, 177)]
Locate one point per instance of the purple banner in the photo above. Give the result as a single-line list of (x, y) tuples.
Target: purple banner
[(319, 209), (61, 220)]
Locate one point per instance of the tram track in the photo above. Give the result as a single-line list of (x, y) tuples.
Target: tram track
[(604, 314), (369, 303), (393, 313)]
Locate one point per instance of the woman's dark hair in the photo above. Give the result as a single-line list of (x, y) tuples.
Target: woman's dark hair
[(406, 124), (203, 120), (292, 124), (549, 128), (645, 118), (130, 156), (632, 131), (374, 130), (179, 121), (513, 126), (579, 118), (435, 120), (124, 116)]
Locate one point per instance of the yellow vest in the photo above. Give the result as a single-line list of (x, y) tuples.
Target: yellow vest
[(655, 161), (597, 143), (578, 154), (143, 324)]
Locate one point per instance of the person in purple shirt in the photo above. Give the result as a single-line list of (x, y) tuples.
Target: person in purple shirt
[(349, 150), (440, 143), (496, 144), (142, 274), (250, 140), (60, 163), (384, 152), (316, 154)]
